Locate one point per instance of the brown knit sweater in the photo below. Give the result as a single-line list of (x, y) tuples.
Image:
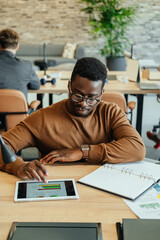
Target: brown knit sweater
[(110, 136)]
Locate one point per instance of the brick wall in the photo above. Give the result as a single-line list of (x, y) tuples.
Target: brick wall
[(145, 34), (60, 21)]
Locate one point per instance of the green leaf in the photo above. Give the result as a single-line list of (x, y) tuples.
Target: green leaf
[(110, 20)]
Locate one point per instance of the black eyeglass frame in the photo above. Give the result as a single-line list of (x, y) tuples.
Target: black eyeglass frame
[(84, 98)]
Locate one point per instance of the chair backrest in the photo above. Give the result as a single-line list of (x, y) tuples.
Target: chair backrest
[(13, 107), (115, 97)]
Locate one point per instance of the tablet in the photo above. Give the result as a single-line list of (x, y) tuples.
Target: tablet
[(51, 230), (53, 190)]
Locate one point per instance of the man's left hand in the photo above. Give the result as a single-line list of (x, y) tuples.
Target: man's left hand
[(64, 155)]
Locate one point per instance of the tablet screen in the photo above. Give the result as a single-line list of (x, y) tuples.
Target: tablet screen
[(53, 190)]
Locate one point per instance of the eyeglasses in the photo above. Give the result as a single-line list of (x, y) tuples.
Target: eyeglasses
[(79, 98)]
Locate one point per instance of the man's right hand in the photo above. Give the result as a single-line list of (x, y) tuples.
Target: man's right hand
[(33, 170)]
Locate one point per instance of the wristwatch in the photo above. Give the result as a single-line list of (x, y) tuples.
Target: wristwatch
[(85, 150)]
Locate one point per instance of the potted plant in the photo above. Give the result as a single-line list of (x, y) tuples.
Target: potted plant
[(109, 19)]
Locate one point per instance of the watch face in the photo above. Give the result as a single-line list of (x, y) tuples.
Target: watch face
[(85, 150), (85, 147)]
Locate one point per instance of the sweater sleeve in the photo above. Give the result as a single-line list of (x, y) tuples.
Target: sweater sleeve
[(24, 135), (11, 167), (126, 144)]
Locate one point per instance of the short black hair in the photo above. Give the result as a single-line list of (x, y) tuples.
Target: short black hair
[(90, 68), (9, 38)]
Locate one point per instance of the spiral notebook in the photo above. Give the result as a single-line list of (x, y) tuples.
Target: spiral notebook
[(128, 180)]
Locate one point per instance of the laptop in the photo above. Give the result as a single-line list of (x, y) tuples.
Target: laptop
[(145, 86)]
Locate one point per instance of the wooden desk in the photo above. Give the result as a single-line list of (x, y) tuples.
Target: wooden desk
[(92, 206), (113, 85), (61, 86)]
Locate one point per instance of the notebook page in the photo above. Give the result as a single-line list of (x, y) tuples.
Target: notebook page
[(117, 182), (143, 169)]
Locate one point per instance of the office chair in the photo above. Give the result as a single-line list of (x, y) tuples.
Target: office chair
[(120, 100), (151, 135), (155, 127), (14, 108)]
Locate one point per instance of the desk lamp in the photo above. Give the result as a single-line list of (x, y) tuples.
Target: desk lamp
[(7, 155)]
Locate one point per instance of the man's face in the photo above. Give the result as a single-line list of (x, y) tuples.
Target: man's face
[(85, 88)]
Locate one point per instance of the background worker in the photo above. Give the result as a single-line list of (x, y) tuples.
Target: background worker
[(14, 72)]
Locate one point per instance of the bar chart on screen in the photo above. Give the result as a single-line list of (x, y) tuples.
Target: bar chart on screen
[(46, 190), (49, 187)]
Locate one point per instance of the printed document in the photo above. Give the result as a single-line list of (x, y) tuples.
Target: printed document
[(148, 204)]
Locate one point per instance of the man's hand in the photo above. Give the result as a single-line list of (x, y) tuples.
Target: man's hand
[(64, 155), (33, 170)]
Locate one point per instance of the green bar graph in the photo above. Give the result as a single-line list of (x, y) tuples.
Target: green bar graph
[(150, 205), (49, 186)]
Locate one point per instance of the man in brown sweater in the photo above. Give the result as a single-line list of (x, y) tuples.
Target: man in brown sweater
[(81, 127)]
